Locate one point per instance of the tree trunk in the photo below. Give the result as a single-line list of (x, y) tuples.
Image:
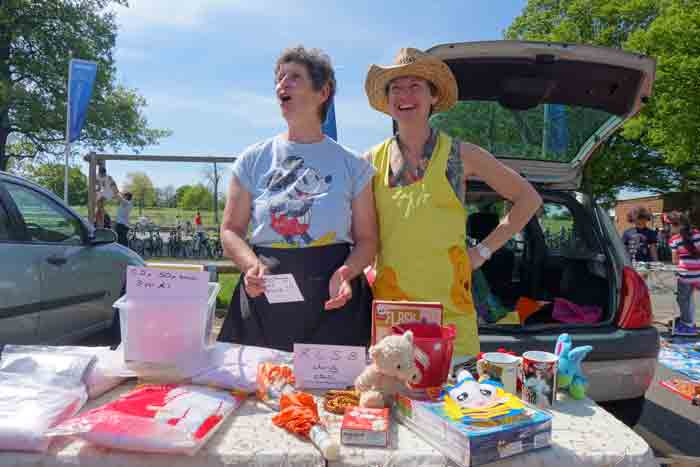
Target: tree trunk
[(4, 133), (5, 104)]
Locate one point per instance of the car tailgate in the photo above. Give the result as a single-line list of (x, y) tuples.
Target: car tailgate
[(609, 342)]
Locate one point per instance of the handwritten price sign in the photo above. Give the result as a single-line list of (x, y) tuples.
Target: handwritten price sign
[(327, 366), (162, 283)]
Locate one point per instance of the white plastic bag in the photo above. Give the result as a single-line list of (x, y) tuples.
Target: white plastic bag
[(37, 391), (49, 368), (236, 366), (148, 371), (175, 419), (100, 376)]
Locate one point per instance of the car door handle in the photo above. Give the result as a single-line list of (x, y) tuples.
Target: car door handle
[(56, 260)]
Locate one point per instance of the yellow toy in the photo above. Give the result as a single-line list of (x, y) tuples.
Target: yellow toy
[(470, 401)]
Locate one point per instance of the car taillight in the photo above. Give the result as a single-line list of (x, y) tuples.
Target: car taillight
[(635, 306)]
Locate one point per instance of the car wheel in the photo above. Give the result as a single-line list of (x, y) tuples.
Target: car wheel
[(628, 411)]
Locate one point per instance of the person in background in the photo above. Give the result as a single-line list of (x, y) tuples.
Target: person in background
[(106, 221), (122, 221), (309, 205), (685, 253), (198, 222), (640, 241), (106, 188), (420, 188)]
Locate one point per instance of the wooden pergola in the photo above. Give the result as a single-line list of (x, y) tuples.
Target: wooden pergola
[(93, 159)]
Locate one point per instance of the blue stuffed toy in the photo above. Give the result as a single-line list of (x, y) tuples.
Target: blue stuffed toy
[(570, 376)]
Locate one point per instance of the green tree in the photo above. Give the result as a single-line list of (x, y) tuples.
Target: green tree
[(141, 187), (169, 199), (180, 194), (631, 158), (50, 176), (600, 22), (197, 197), (671, 123), (37, 38)]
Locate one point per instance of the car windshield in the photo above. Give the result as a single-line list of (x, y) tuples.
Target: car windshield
[(551, 132)]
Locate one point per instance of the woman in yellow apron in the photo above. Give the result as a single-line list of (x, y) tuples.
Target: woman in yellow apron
[(419, 190)]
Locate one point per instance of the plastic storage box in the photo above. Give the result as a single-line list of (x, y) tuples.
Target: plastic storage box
[(168, 341)]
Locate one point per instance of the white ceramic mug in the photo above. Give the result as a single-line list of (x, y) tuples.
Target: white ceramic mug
[(500, 367), (538, 378)]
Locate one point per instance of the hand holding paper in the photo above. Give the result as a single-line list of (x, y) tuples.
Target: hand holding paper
[(282, 288), (253, 280), (339, 289)]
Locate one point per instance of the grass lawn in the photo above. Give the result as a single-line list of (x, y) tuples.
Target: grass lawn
[(228, 283), (162, 217), (554, 226)]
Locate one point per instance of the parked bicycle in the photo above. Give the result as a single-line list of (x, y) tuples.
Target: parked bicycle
[(134, 242), (200, 245)]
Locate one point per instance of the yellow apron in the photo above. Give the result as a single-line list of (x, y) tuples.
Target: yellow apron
[(422, 238)]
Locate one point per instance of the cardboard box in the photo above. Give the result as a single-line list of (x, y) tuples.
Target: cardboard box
[(365, 427), (386, 314), (471, 445)]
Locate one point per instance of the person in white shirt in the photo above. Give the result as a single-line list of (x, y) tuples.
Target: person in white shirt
[(106, 189), (122, 224)]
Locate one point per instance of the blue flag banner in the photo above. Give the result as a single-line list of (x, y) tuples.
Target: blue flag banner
[(329, 127), (81, 80), (558, 128)]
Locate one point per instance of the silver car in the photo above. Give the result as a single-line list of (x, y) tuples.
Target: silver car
[(543, 109), (58, 275)]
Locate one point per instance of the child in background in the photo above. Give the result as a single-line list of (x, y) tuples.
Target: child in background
[(685, 251), (640, 240)]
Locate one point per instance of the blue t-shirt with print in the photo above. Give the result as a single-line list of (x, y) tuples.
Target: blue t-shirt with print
[(301, 193)]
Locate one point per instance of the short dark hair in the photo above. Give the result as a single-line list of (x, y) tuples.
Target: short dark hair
[(637, 213), (318, 64), (128, 195)]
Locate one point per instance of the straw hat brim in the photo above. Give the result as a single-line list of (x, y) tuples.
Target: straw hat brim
[(428, 68)]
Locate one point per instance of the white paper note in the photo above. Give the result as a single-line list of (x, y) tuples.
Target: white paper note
[(282, 288)]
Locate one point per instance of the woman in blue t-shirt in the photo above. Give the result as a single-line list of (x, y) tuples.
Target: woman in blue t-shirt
[(300, 203)]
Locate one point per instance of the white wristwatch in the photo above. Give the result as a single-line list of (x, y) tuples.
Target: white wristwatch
[(484, 251)]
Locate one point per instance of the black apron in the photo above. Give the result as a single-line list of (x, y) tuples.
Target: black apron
[(255, 321)]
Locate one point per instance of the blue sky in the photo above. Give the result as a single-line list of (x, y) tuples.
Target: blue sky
[(205, 66)]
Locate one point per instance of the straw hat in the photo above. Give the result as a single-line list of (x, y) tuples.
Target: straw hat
[(411, 62)]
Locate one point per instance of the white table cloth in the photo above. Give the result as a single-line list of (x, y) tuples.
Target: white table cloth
[(583, 434)]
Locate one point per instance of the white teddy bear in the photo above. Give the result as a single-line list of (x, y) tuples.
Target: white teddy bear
[(392, 368)]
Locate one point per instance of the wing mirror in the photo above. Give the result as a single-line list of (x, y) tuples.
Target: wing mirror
[(102, 236)]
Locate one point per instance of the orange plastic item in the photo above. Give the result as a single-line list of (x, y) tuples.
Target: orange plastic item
[(526, 307), (298, 413), (272, 375)]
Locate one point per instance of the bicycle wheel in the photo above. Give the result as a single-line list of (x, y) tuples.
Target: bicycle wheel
[(138, 246)]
